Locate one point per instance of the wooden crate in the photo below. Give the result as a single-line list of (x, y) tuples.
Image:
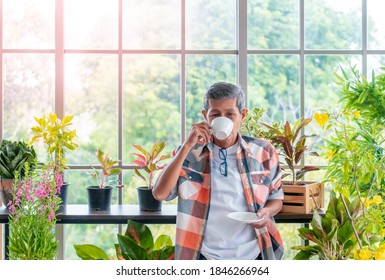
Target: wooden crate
[(302, 198)]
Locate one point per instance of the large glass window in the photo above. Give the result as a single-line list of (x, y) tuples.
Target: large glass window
[(135, 71)]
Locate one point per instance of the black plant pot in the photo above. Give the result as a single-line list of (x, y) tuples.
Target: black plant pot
[(146, 200), (63, 194), (99, 199)]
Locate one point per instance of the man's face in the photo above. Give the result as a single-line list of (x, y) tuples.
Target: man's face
[(225, 108)]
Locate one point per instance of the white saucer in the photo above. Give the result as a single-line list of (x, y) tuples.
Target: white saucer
[(246, 217)]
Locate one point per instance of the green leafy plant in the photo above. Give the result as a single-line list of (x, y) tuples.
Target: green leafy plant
[(57, 137), (136, 244), (334, 233), (13, 156), (148, 161), (32, 215), (354, 148), (107, 169), (360, 94), (287, 138), (292, 146), (252, 125)]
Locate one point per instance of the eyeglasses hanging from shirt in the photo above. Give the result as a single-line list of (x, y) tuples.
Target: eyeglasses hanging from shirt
[(223, 165)]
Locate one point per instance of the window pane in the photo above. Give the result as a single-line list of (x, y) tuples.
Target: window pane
[(375, 62), (103, 236), (376, 24), (151, 101), (289, 239), (201, 72), (149, 24), (321, 90), (91, 24), (130, 194), (91, 95), (28, 91), (331, 24), (273, 24), (28, 24), (210, 24), (273, 84)]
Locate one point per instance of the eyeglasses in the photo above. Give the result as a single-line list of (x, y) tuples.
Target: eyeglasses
[(223, 165)]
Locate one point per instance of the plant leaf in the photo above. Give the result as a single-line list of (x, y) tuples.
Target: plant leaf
[(130, 250), (140, 233), (90, 252)]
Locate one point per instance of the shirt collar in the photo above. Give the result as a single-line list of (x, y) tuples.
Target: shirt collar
[(206, 149)]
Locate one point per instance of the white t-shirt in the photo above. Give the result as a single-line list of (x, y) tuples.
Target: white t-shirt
[(225, 238)]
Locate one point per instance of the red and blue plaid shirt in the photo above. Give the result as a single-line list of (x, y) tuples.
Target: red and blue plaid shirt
[(260, 172)]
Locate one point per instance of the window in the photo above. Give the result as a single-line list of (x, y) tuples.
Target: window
[(134, 71)]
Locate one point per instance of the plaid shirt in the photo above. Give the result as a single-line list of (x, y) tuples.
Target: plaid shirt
[(261, 179)]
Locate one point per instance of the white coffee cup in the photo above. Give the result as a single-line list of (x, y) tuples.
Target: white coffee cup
[(221, 127)]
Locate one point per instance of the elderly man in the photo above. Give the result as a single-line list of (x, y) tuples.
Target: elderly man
[(214, 177)]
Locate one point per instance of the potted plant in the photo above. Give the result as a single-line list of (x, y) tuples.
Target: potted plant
[(58, 139), (13, 156), (99, 196), (136, 244), (32, 214), (300, 196), (147, 166)]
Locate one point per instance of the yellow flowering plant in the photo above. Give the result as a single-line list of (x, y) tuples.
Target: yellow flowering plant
[(354, 140)]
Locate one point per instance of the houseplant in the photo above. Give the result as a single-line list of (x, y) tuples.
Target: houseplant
[(354, 147), (58, 138), (147, 165), (292, 146), (99, 196), (333, 234), (136, 244), (13, 156), (32, 214), (300, 196), (355, 170)]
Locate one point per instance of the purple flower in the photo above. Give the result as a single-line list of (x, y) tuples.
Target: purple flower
[(51, 216)]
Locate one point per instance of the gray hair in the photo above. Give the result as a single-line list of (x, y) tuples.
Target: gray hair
[(223, 90)]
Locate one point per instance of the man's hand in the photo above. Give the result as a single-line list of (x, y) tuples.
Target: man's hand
[(199, 133), (263, 212), (272, 207)]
